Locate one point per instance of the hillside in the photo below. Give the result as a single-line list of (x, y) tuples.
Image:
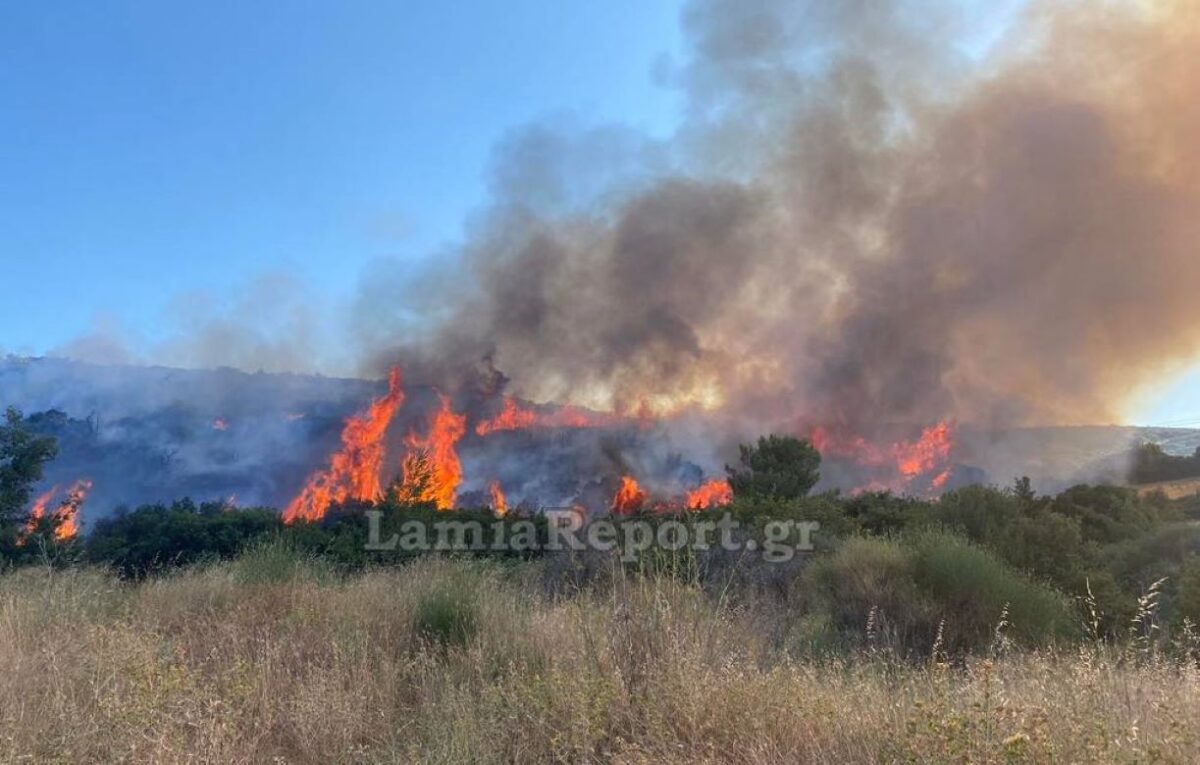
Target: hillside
[(144, 434)]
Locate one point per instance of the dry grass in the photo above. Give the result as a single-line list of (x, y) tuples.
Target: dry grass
[(281, 661), (1172, 490)]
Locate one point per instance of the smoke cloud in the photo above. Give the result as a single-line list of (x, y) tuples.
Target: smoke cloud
[(872, 213)]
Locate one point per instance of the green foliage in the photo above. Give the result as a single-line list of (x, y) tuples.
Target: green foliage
[(868, 587), (972, 587), (22, 457), (1189, 592), (927, 586), (777, 467), (1109, 514), (983, 514), (155, 537), (883, 513), (1027, 533), (1151, 464), (826, 510), (448, 614), (278, 561)]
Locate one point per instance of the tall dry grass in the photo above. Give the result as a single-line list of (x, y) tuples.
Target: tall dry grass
[(274, 658)]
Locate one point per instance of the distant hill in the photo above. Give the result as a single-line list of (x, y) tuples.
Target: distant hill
[(152, 433)]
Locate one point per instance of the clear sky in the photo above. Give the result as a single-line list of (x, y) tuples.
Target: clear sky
[(148, 147), (153, 148)]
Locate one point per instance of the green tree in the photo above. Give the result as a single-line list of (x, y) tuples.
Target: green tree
[(777, 467), (22, 456)]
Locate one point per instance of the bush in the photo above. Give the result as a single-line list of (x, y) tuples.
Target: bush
[(883, 513), (447, 615), (869, 580), (1151, 464), (983, 514), (905, 591), (1108, 514), (155, 537), (972, 586), (279, 561), (1189, 593), (777, 467)]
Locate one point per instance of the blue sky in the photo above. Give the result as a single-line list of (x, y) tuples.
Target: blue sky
[(150, 149)]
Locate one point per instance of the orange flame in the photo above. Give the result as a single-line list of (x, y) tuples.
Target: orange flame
[(940, 480), (499, 502), (67, 513), (432, 470), (353, 472), (513, 417), (907, 461), (928, 453), (630, 498), (712, 493), (36, 513), (837, 444)]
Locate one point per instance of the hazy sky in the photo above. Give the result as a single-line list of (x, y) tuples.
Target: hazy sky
[(151, 149)]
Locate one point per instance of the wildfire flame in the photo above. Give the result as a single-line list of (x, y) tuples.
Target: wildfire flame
[(66, 516), (513, 417), (353, 471), (67, 513), (220, 424), (432, 470), (36, 513), (928, 454), (499, 502), (907, 461), (630, 498), (712, 493)]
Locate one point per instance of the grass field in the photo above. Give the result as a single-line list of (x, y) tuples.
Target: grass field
[(275, 658)]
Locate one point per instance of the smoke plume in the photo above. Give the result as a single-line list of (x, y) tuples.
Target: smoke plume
[(874, 212)]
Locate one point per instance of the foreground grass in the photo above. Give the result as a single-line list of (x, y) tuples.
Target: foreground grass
[(275, 658)]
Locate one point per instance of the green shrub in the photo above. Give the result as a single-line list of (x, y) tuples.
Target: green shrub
[(278, 561), (906, 591), (869, 580), (1109, 514), (883, 513), (1189, 593), (983, 514), (447, 615), (155, 537), (972, 587), (777, 467)]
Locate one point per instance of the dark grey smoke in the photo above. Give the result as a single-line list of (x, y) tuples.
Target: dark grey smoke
[(868, 217)]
